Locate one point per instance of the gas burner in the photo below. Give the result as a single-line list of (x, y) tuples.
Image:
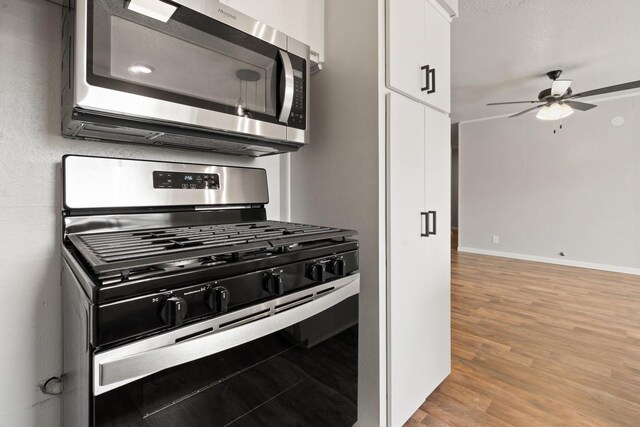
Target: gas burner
[(178, 264), (189, 263), (185, 263)]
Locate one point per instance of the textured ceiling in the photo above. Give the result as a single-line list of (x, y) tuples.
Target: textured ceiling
[(501, 49)]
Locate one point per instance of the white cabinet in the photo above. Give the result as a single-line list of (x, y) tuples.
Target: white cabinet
[(300, 19), (419, 51), (418, 254), (418, 211)]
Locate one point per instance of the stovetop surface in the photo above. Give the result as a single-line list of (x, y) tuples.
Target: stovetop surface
[(178, 247)]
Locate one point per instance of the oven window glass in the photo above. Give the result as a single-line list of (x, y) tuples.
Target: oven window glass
[(191, 60), (305, 375)]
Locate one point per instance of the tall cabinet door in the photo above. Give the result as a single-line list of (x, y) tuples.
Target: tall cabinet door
[(407, 289), (418, 233), (437, 326)]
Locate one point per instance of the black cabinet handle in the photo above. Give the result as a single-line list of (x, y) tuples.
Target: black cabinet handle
[(429, 232), (424, 217), (427, 73), (430, 79), (432, 74), (428, 223)]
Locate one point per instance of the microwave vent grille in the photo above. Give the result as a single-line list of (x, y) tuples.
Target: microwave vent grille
[(206, 144), (98, 131)]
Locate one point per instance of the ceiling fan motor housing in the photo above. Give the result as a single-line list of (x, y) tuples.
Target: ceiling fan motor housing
[(545, 95), (553, 75)]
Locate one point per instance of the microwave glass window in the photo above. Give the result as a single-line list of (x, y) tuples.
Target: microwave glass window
[(178, 62)]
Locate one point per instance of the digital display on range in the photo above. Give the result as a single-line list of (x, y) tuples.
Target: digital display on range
[(186, 181)]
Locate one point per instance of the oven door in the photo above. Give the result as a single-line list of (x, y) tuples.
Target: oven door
[(294, 364), (190, 69)]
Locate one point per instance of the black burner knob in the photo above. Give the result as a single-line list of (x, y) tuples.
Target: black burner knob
[(218, 299), (316, 272), (273, 284), (173, 311), (337, 267)]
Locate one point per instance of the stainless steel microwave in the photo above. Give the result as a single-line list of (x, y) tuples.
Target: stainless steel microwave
[(188, 73)]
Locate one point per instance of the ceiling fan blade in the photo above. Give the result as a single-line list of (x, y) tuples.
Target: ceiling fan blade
[(514, 102), (526, 111), (560, 87), (582, 106), (609, 89)]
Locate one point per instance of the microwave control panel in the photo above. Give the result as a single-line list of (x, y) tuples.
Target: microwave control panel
[(298, 116), (186, 180)]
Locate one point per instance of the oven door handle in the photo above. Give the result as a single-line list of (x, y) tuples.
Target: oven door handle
[(123, 365), (287, 102)]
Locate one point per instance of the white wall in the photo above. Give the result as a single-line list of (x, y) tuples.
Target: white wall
[(30, 151), (335, 181), (577, 191)]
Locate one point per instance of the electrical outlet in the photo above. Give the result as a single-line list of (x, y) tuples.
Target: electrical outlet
[(496, 239)]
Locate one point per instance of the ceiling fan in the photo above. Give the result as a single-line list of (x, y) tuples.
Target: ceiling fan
[(558, 101)]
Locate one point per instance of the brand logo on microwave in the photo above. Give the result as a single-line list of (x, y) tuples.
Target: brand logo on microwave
[(227, 14)]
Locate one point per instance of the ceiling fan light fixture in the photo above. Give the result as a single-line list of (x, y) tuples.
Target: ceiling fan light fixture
[(555, 111)]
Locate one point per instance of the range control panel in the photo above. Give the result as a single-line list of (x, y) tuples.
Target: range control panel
[(186, 180), (174, 307)]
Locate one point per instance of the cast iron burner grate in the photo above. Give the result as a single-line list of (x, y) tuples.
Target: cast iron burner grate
[(118, 251)]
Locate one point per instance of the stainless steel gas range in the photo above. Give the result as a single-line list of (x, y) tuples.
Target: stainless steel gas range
[(185, 306)]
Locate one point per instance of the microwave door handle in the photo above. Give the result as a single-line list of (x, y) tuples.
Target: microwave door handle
[(287, 103)]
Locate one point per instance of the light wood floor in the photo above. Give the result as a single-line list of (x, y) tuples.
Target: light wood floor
[(539, 345)]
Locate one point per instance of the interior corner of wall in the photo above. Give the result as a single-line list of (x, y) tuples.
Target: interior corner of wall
[(285, 187)]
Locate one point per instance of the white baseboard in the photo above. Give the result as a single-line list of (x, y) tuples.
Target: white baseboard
[(567, 262)]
